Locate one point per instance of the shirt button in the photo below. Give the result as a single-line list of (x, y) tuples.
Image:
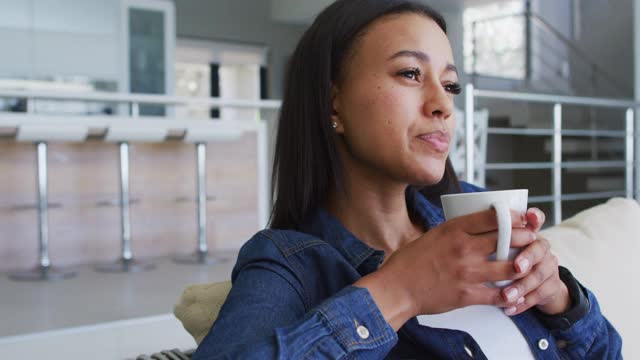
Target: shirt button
[(469, 352), (363, 332), (543, 344)]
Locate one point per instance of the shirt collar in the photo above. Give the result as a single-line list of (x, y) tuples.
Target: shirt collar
[(431, 213), (328, 228)]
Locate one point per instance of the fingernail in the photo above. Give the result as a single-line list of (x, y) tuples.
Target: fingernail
[(523, 265), (510, 310), (511, 294), (520, 301), (523, 218)]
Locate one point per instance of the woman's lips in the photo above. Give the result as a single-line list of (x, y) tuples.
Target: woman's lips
[(437, 140)]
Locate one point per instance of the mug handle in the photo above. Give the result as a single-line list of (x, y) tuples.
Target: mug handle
[(504, 235), (504, 229)]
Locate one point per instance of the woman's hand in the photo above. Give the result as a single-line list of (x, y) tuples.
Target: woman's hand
[(541, 286), (446, 268)]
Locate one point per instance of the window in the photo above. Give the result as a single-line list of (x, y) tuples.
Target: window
[(495, 39)]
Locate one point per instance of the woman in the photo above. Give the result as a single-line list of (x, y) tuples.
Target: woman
[(358, 246)]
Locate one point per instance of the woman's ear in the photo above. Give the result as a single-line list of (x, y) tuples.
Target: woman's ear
[(336, 121)]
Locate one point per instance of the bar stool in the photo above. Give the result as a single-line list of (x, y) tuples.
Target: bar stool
[(121, 131), (199, 133), (40, 134)]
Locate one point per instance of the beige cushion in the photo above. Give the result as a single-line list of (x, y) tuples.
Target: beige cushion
[(600, 246), (199, 306)]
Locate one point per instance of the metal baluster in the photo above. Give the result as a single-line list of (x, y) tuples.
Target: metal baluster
[(264, 180), (469, 134), (636, 134), (557, 163), (629, 153)]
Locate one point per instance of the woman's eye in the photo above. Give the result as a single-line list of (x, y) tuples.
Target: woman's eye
[(453, 88), (411, 74)]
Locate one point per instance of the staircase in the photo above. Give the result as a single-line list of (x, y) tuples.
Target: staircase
[(554, 65)]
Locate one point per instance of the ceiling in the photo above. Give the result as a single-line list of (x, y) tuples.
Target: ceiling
[(303, 11), (297, 11)]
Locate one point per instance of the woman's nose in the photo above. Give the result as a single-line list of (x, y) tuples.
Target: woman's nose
[(438, 104)]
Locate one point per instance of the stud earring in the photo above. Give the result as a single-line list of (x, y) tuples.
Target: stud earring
[(334, 125)]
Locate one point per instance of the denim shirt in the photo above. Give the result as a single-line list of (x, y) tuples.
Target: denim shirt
[(292, 298)]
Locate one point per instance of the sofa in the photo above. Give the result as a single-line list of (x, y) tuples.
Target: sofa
[(599, 245)]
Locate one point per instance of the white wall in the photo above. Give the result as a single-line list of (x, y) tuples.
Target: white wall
[(296, 11), (242, 21), (550, 62), (605, 36), (456, 36)]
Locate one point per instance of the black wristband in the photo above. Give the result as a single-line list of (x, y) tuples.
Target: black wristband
[(579, 304)]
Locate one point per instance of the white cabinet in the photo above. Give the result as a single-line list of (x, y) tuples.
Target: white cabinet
[(48, 38), (76, 16), (15, 14), (148, 44), (92, 39)]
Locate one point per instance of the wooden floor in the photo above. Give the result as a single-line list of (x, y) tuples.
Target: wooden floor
[(84, 222)]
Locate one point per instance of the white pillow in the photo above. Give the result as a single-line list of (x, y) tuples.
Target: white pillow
[(600, 246)]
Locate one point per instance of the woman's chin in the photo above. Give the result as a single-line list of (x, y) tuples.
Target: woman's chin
[(428, 178), (430, 172)]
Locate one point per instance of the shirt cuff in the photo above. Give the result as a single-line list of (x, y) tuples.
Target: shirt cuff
[(357, 322), (579, 304)]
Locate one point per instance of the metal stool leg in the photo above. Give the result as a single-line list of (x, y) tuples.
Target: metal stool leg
[(43, 271), (201, 255), (126, 263)]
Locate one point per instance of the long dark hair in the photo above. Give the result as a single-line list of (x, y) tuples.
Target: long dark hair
[(306, 162)]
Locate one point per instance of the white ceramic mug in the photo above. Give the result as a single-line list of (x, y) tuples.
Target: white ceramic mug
[(455, 205)]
